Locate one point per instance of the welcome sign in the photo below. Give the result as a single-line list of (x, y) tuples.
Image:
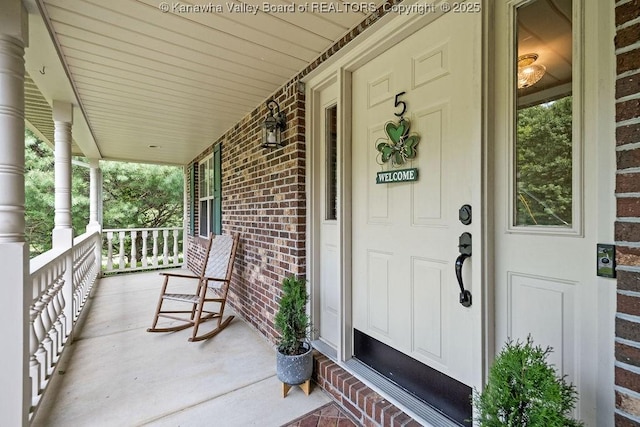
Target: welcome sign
[(400, 175)]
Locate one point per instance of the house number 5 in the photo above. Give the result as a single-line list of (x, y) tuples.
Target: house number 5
[(399, 103)]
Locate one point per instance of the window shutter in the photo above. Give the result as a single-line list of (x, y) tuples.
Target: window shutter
[(192, 199), (217, 189)]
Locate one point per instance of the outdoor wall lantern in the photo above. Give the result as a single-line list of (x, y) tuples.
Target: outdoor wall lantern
[(528, 72), (273, 126)]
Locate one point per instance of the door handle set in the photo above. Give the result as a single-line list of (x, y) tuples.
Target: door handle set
[(464, 247)]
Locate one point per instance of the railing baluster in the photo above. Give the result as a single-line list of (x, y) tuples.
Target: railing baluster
[(145, 233), (46, 341), (121, 252), (34, 365), (175, 246), (155, 248), (53, 329), (41, 353), (62, 303), (134, 261), (59, 323), (109, 251), (165, 247)]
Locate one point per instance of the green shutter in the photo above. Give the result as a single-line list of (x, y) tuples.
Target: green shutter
[(192, 199), (217, 189)]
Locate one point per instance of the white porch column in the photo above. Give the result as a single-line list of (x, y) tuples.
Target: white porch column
[(95, 205), (185, 214), (95, 196), (62, 120), (15, 392), (62, 234)]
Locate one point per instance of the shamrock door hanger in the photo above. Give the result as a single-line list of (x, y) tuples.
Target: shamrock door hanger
[(400, 145)]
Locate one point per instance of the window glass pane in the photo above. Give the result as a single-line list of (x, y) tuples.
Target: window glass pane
[(331, 143), (543, 136), (211, 216), (202, 190), (211, 176), (204, 223)]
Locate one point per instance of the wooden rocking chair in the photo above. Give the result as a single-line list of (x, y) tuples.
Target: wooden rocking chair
[(217, 267)]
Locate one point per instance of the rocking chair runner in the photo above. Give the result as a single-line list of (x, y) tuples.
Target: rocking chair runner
[(217, 267)]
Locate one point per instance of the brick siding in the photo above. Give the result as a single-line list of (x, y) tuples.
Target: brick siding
[(627, 229), (263, 199), (365, 405)]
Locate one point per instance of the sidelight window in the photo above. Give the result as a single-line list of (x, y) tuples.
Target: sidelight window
[(544, 150)]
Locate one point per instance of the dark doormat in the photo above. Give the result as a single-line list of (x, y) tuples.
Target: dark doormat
[(329, 415)]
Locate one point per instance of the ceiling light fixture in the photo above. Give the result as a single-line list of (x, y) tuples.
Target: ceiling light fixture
[(528, 72)]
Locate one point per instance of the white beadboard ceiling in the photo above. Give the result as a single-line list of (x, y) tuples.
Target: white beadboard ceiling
[(140, 77), (175, 80)]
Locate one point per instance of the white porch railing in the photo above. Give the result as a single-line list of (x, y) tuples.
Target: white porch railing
[(135, 249), (61, 282)]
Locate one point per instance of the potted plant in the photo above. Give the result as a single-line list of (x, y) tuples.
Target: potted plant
[(294, 360), (523, 390)]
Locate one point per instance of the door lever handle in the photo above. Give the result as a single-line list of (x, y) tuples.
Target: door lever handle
[(465, 295)]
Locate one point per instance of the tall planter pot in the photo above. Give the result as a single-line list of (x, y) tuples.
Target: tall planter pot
[(295, 370)]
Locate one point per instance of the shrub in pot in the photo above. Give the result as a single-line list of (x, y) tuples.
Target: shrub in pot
[(294, 360), (523, 390)]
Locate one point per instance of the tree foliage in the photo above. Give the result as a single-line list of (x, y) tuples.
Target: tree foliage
[(544, 174), (40, 193), (134, 195), (141, 195)]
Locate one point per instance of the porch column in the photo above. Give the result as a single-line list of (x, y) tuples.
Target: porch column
[(62, 235), (95, 196), (15, 393), (95, 206), (62, 120)]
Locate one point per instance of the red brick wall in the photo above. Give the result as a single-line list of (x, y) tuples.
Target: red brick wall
[(627, 227), (263, 199), (364, 404)]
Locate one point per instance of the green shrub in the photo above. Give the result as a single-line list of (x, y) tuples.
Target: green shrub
[(291, 319), (524, 391)]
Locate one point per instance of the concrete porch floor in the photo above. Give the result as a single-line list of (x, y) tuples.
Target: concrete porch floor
[(118, 374)]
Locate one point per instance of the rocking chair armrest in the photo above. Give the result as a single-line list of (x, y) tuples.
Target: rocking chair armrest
[(187, 276), (215, 279)]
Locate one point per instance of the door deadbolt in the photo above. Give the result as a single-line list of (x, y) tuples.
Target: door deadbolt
[(464, 214)]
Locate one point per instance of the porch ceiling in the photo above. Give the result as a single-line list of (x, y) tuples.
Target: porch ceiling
[(38, 113), (176, 80)]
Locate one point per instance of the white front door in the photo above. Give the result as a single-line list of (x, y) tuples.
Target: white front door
[(549, 182), (406, 234)]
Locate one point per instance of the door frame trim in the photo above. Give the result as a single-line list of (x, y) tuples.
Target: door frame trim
[(315, 216)]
